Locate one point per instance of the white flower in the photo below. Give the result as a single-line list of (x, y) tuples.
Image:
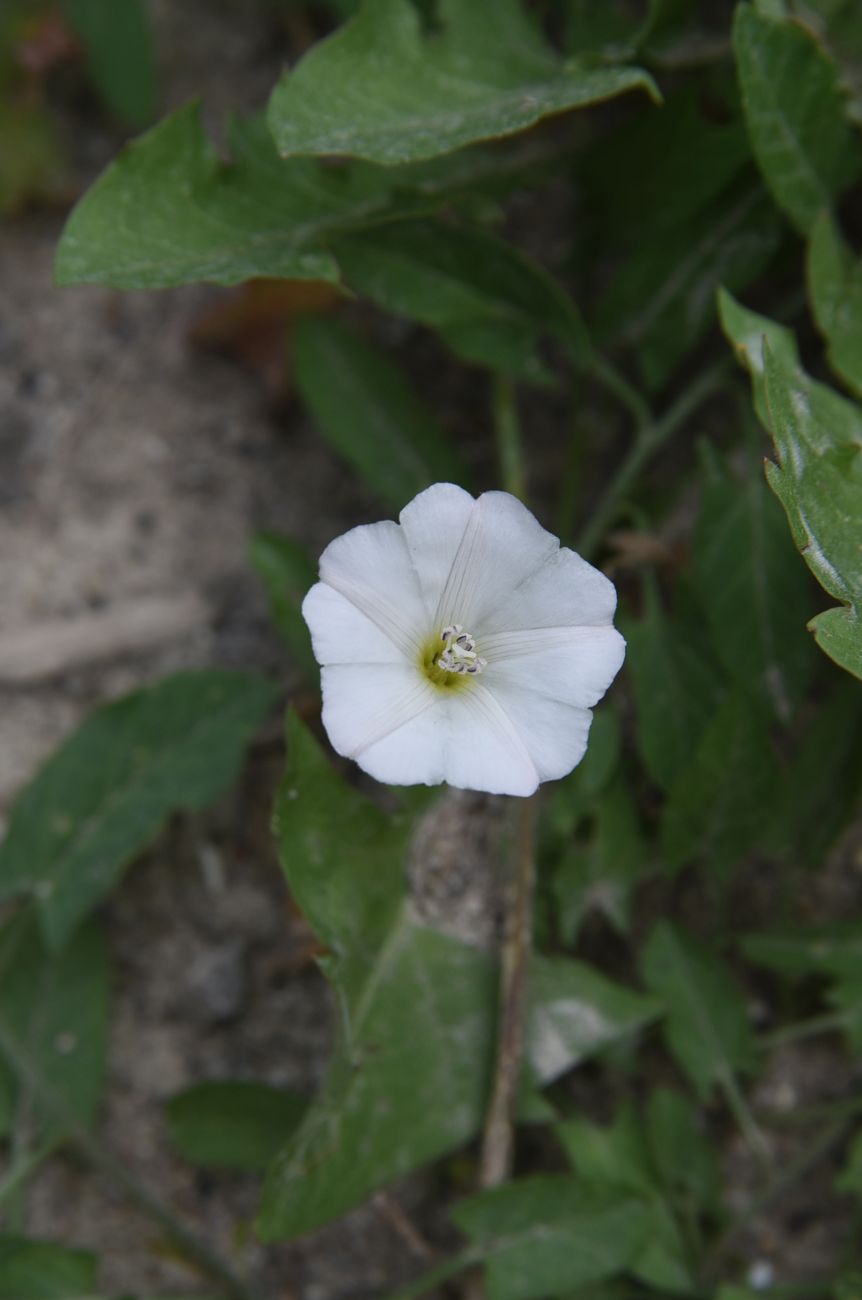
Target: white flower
[(463, 645)]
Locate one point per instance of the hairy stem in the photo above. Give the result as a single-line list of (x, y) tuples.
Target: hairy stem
[(497, 1141)]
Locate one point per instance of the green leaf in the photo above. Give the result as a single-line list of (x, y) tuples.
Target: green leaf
[(169, 211), (120, 55), (54, 1009), (617, 1157), (746, 331), (850, 1178), (39, 1270), (233, 1123), (287, 571), (384, 89), (832, 952), (717, 806), (364, 406), (540, 1236), (820, 785), (676, 687), (833, 949), (691, 228), (819, 482), (658, 144), (106, 793), (597, 873), (572, 798), (661, 300), (828, 418), (835, 289), (682, 1155), (575, 1012), (401, 1089), (795, 108), (491, 303), (755, 593), (707, 1027)]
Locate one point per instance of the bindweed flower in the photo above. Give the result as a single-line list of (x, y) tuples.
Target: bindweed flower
[(463, 644)]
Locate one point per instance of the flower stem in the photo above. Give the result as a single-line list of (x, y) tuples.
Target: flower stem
[(650, 436), (507, 427), (191, 1246), (790, 1174), (498, 1138), (828, 1023), (741, 1112)]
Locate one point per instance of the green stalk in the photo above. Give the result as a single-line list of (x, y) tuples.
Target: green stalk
[(507, 427), (650, 436)]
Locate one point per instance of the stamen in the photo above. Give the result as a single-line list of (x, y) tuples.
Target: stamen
[(459, 653)]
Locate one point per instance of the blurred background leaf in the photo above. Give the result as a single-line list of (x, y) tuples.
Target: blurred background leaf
[(366, 409), (39, 1270), (287, 572), (796, 113), (120, 56), (233, 1123), (835, 288), (55, 1013), (707, 1026), (106, 793)]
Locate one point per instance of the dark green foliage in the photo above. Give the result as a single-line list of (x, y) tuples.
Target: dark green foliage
[(368, 412), (707, 1024), (53, 1026), (232, 1123), (120, 55), (411, 1069), (422, 158), (39, 1270), (287, 572), (108, 791)]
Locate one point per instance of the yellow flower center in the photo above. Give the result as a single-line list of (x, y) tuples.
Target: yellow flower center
[(451, 660)]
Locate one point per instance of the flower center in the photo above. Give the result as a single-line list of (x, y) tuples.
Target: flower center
[(451, 659), (459, 652)]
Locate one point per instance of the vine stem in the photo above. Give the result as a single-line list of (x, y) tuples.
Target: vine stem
[(829, 1022), (651, 434), (797, 1169), (190, 1245), (495, 1162), (507, 428)]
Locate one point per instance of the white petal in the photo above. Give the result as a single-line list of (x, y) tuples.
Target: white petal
[(434, 523), (484, 750), (554, 734), (341, 634), (503, 544), (364, 704), (574, 665), (566, 590), (371, 566), (414, 754)]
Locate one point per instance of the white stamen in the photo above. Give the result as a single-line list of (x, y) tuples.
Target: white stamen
[(459, 653)]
